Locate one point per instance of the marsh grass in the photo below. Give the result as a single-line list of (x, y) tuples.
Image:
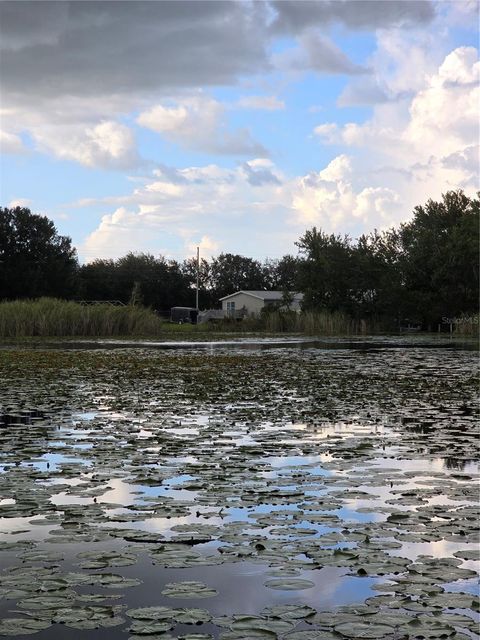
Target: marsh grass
[(47, 317), (308, 322), (468, 326)]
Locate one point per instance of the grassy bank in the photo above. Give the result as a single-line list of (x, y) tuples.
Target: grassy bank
[(47, 317)]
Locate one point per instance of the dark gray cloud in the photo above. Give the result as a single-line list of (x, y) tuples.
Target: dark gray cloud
[(104, 47), (293, 16)]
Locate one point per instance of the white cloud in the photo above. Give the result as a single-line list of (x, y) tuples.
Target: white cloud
[(328, 131), (198, 123), (107, 144), (333, 201), (444, 116), (338, 169), (426, 144), (224, 208), (207, 245)]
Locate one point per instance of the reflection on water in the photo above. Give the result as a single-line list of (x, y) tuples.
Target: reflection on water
[(304, 464)]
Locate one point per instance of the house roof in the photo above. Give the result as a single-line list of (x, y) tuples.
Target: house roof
[(264, 295)]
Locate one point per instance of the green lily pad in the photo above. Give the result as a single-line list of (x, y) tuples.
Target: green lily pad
[(363, 630), (149, 627), (22, 626), (188, 589)]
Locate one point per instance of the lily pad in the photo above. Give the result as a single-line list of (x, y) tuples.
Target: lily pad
[(364, 630), (188, 589)]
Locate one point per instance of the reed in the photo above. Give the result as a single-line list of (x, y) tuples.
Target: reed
[(48, 317), (308, 322), (467, 325)]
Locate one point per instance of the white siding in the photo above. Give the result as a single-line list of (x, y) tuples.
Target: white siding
[(252, 305)]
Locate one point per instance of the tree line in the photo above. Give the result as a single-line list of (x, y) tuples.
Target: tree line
[(423, 271)]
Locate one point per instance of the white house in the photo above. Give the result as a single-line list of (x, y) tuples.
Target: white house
[(250, 303)]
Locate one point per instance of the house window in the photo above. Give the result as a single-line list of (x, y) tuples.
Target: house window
[(230, 308)]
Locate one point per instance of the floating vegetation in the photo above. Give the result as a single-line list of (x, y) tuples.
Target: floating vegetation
[(293, 493)]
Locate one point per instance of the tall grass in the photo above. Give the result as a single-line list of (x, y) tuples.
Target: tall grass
[(318, 323), (50, 317), (467, 325), (309, 322)]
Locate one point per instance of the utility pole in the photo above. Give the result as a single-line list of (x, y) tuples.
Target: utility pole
[(198, 276)]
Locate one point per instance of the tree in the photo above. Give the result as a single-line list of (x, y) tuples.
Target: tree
[(230, 272), (377, 282), (325, 271), (282, 274), (98, 281), (35, 260), (439, 258), (161, 282)]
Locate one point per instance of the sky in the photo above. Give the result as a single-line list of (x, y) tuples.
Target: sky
[(234, 126)]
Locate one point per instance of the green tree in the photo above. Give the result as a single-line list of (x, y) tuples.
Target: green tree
[(377, 284), (230, 273), (325, 270), (282, 274), (439, 258), (98, 281), (34, 259), (161, 282)]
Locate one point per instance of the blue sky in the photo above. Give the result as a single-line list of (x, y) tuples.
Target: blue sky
[(159, 126)]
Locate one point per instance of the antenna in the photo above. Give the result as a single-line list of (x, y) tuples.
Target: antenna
[(198, 276)]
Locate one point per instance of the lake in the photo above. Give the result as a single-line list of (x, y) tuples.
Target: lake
[(278, 488)]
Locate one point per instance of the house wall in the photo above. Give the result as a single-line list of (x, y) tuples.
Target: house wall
[(253, 305)]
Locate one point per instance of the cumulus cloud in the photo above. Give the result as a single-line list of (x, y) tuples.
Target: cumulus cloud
[(409, 150), (331, 200), (198, 123), (107, 144), (211, 202), (229, 210), (444, 116), (440, 119)]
